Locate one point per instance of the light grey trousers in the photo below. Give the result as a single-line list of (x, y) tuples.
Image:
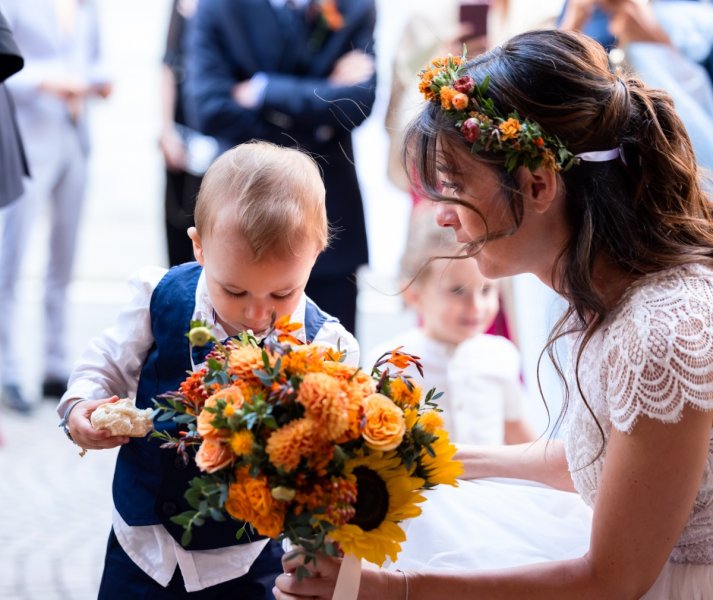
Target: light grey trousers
[(55, 189)]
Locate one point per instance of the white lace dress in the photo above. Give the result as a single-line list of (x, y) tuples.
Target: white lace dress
[(653, 356)]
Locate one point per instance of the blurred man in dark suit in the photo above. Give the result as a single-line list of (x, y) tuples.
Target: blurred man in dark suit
[(296, 73)]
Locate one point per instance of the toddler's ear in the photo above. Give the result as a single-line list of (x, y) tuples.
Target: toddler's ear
[(412, 298), (197, 245)]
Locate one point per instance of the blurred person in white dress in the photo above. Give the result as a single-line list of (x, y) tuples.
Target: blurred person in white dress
[(478, 373)]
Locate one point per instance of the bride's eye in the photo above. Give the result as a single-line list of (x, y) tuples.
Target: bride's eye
[(449, 185)]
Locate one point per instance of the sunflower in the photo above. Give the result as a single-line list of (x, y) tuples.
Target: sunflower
[(386, 495), (441, 468)]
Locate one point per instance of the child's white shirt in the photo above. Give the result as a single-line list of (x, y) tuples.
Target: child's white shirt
[(479, 378), (110, 366)]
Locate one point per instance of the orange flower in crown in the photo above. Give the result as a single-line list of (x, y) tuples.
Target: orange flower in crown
[(522, 142)]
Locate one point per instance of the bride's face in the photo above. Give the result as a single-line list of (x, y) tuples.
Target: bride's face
[(485, 214)]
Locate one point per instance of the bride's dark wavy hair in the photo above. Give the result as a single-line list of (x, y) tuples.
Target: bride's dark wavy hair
[(641, 217)]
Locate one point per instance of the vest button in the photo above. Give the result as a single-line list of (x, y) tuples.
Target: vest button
[(169, 508), (180, 464)]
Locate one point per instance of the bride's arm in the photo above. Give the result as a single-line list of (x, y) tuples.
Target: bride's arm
[(542, 460)]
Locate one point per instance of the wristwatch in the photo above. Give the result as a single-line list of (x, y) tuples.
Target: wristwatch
[(65, 419)]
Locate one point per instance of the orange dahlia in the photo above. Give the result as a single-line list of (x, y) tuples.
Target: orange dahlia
[(250, 499), (287, 445), (243, 361), (325, 402), (193, 388)]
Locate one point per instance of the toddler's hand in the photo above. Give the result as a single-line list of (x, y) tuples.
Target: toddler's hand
[(84, 435)]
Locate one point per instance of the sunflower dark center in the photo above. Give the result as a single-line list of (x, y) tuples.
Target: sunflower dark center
[(372, 503)]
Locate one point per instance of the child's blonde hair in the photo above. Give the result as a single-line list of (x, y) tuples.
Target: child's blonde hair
[(425, 242), (272, 197)]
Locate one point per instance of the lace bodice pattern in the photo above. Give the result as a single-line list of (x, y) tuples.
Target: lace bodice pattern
[(653, 356)]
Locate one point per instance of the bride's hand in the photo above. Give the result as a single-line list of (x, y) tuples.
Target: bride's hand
[(318, 585)]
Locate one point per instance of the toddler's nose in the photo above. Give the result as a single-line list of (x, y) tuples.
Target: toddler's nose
[(259, 312)]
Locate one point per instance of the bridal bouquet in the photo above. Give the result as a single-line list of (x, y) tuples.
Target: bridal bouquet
[(301, 446)]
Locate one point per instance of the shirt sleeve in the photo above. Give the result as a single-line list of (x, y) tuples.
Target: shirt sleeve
[(112, 362)]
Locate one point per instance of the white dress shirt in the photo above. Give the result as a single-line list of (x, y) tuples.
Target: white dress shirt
[(110, 366)]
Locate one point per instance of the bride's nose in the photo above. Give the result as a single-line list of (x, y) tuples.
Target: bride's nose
[(446, 215)]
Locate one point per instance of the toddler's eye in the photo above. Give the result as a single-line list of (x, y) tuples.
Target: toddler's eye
[(283, 296), (457, 291), (235, 294)]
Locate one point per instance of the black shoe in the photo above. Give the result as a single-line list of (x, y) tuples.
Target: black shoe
[(12, 398), (54, 388)]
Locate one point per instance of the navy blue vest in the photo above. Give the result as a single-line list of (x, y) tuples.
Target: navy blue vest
[(149, 483)]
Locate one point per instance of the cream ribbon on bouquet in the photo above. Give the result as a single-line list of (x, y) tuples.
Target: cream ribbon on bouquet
[(347, 587)]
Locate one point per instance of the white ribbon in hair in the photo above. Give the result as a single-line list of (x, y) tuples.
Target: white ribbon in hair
[(602, 155)]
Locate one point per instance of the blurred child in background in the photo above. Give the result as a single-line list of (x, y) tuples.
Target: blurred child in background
[(478, 373)]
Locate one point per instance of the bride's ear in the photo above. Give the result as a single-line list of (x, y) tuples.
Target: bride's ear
[(539, 188)]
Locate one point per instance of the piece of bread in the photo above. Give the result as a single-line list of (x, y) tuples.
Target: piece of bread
[(123, 418)]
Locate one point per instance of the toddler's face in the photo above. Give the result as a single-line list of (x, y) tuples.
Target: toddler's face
[(454, 300), (245, 293)]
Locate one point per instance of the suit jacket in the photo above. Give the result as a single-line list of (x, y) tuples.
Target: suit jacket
[(230, 41), (13, 164)]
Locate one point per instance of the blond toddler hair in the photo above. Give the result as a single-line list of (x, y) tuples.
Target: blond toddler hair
[(272, 198)]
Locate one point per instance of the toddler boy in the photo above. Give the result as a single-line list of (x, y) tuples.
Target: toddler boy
[(260, 224)]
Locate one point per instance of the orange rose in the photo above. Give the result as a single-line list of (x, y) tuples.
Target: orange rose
[(510, 129), (460, 101), (385, 424), (213, 455)]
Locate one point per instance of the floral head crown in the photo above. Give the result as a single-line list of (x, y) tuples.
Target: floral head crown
[(522, 141)]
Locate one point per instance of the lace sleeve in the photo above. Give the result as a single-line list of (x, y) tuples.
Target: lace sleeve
[(659, 353)]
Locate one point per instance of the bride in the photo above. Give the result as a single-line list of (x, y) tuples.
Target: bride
[(544, 161)]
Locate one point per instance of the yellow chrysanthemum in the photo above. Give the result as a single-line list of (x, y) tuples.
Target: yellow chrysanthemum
[(303, 359), (441, 468), (241, 442), (325, 402), (509, 129), (287, 445), (374, 534), (250, 499), (431, 421), (243, 361), (405, 392), (411, 416)]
